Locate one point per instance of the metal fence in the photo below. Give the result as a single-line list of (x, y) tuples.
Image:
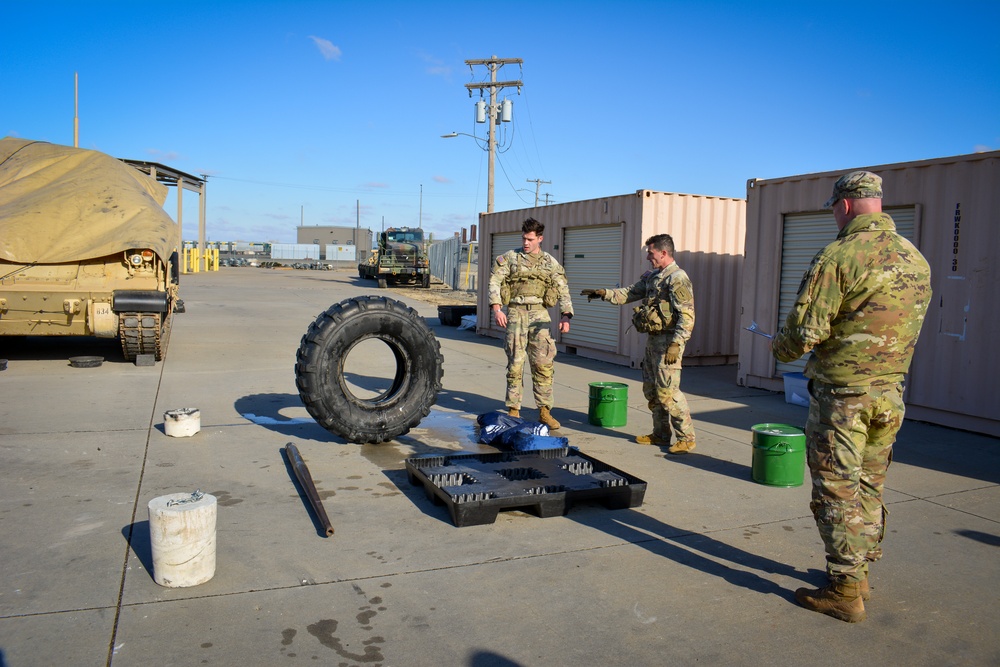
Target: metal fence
[(450, 263)]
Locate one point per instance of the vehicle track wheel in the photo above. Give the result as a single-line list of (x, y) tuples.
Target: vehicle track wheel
[(324, 351)]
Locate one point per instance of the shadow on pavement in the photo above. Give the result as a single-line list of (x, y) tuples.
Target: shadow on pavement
[(697, 551)]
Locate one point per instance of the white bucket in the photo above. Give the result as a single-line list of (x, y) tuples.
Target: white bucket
[(182, 423), (796, 389), (182, 538)]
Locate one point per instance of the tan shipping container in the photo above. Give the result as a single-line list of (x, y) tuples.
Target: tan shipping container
[(953, 204), (708, 233)]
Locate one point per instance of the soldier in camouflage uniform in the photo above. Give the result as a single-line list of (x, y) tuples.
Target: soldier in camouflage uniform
[(529, 282), (859, 310), (667, 316)]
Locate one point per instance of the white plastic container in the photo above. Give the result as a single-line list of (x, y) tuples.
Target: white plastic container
[(182, 422), (796, 389), (182, 538)]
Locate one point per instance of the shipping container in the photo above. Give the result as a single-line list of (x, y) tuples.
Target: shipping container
[(294, 251), (949, 208), (339, 253), (600, 242)]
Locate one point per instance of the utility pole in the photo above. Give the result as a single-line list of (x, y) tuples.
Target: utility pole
[(537, 182), (493, 64), (76, 109), (547, 201)]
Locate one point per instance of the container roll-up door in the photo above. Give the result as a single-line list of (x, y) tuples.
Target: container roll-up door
[(503, 242), (592, 257), (803, 236)]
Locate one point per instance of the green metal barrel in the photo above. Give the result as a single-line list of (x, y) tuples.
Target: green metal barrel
[(779, 455)]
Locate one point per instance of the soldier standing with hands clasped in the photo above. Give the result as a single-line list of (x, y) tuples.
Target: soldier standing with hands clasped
[(667, 316), (529, 282), (859, 310)]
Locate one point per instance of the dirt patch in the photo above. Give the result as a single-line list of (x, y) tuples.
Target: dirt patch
[(438, 294)]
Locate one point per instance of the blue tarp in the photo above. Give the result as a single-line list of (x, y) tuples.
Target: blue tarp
[(505, 432)]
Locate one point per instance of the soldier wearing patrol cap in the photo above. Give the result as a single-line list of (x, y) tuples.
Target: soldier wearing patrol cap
[(529, 282), (667, 316), (858, 311)]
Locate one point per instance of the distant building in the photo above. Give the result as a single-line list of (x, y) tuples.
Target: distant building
[(343, 236)]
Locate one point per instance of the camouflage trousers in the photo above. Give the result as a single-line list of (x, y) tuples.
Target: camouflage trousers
[(849, 435), (661, 385), (528, 337)]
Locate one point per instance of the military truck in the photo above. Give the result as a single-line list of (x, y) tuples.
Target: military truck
[(87, 248), (401, 256)]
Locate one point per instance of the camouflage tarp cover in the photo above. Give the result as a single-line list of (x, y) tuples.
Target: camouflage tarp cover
[(60, 204)]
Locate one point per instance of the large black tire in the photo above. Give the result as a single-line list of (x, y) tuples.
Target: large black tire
[(425, 282), (382, 282), (319, 369)]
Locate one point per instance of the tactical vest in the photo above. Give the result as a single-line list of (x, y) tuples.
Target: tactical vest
[(531, 280), (648, 318)]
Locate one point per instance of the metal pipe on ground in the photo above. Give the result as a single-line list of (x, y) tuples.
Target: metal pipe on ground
[(305, 479)]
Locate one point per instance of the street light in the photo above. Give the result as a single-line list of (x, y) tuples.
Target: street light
[(492, 150)]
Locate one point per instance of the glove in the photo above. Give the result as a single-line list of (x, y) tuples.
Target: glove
[(592, 294), (673, 354)]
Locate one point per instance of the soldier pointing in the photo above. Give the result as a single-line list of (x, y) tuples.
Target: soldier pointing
[(667, 316)]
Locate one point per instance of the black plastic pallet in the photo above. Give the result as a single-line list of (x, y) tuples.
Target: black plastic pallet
[(547, 482), (451, 316)]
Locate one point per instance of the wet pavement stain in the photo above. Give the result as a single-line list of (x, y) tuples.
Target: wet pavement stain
[(225, 499), (324, 631)]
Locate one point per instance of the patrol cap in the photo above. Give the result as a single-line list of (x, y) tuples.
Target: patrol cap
[(856, 185)]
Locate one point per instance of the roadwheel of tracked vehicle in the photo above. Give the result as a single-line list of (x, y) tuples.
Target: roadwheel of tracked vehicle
[(324, 350), (425, 282)]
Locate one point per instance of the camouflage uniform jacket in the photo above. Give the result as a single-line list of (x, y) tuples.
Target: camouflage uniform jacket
[(528, 276), (670, 290), (859, 307)]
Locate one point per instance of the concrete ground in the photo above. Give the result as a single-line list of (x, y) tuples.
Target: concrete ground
[(703, 572)]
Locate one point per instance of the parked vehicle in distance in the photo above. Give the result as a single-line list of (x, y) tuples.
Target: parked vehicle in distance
[(401, 256)]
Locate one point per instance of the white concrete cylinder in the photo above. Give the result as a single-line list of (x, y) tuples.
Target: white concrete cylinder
[(182, 538), (182, 422)]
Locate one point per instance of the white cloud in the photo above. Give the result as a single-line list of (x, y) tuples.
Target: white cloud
[(435, 66), (327, 48), (166, 156)]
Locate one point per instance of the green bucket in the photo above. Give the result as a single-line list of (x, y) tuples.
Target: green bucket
[(779, 455), (608, 403)]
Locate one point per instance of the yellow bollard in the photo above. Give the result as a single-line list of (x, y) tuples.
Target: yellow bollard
[(211, 259)]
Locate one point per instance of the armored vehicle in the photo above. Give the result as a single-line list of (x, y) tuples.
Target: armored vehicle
[(87, 249), (401, 255)]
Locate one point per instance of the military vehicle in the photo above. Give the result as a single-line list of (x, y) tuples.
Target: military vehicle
[(87, 248), (401, 256)]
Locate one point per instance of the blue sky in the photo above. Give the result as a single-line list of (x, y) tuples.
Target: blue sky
[(312, 111)]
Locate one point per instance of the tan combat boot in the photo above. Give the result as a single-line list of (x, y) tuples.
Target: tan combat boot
[(514, 412), (865, 590), (840, 600), (681, 447), (652, 439), (545, 416)]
